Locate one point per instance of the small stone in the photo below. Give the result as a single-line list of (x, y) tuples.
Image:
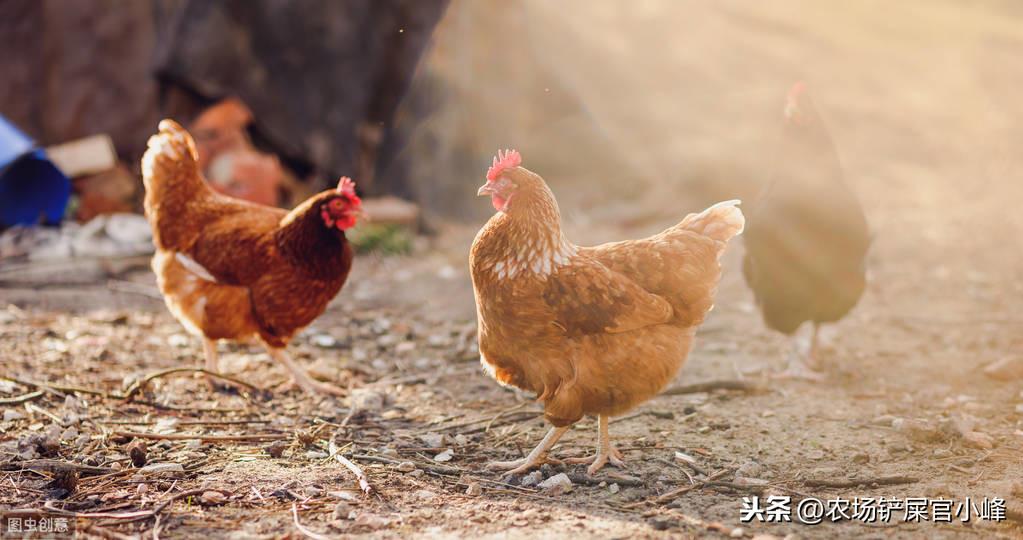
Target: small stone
[(178, 340), (366, 399), (885, 420), (316, 454), (474, 489), (433, 440), (557, 484), (532, 479), (406, 466), (861, 458), (163, 468), (980, 440), (737, 532), (212, 498), (614, 488), (193, 444), (444, 456), (749, 469), (425, 495), (415, 474), (276, 449), (138, 452), (323, 341), (461, 440), (405, 347), (11, 415), (342, 510)]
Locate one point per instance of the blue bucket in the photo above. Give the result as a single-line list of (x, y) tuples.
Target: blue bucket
[(32, 189)]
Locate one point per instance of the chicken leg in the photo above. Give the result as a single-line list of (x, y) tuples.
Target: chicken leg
[(300, 378), (535, 458), (804, 365), (605, 450)]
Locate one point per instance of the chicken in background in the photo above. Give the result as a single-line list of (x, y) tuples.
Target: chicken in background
[(230, 161), (590, 330), (230, 269), (807, 239)]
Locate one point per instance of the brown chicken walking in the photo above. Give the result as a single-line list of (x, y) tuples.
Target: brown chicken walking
[(230, 269), (590, 330)]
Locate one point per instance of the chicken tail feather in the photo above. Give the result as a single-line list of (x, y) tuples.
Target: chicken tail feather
[(170, 153), (721, 222)]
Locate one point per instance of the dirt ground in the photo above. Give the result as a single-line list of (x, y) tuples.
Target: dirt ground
[(922, 105)]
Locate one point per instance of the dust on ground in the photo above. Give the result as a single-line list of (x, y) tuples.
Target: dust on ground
[(930, 154)]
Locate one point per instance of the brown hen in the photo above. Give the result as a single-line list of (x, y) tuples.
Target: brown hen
[(230, 269), (590, 330)]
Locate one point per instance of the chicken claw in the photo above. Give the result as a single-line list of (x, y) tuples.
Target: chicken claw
[(605, 450), (302, 379), (535, 458)]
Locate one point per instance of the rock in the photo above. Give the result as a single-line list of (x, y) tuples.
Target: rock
[(444, 456), (474, 489), (461, 440), (69, 434), (406, 466), (179, 341), (556, 484), (980, 440), (276, 449), (748, 469), (425, 495), (416, 473), (532, 479), (316, 454), (138, 451), (614, 488), (1007, 369), (343, 510), (433, 440), (922, 431), (366, 399), (324, 341), (323, 369), (861, 458), (737, 532), (163, 468), (212, 498), (11, 415), (405, 347), (885, 420)]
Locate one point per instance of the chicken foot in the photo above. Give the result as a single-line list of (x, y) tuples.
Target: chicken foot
[(804, 365), (535, 458), (209, 349), (300, 378), (605, 450)]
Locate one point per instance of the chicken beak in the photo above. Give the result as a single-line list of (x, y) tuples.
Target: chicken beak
[(485, 189)]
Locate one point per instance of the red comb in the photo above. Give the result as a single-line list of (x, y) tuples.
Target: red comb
[(505, 160), (797, 91), (345, 186)]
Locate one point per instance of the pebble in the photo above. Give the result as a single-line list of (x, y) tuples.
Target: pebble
[(433, 440), (276, 449), (406, 466), (737, 532), (444, 456), (316, 454), (474, 489), (178, 340), (343, 510), (532, 479), (162, 468), (614, 488), (366, 399), (557, 484), (323, 341), (11, 414), (212, 498), (861, 458)]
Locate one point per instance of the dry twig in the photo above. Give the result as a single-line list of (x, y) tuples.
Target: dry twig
[(301, 528), (708, 386), (141, 383), (361, 476)]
